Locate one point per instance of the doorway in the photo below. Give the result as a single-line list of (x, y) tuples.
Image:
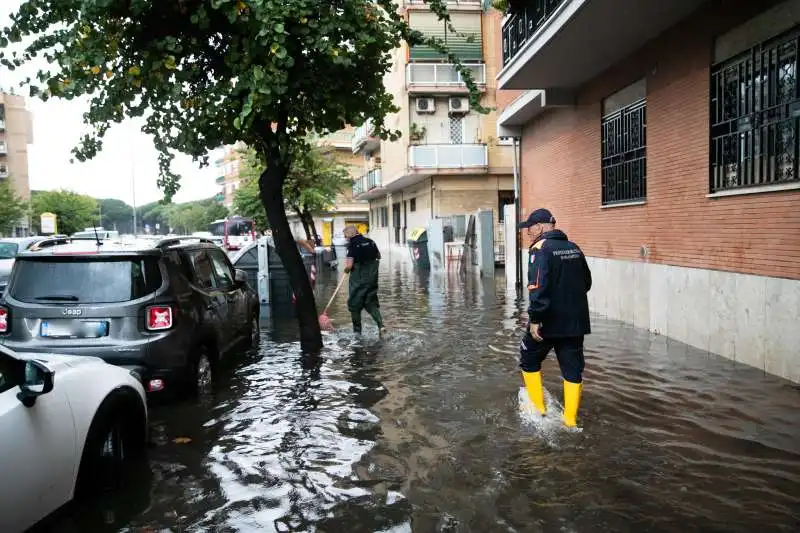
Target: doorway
[(396, 221)]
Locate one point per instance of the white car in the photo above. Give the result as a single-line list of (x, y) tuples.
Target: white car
[(67, 426)]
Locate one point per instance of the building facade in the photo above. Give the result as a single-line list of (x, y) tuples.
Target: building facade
[(229, 179), (16, 133), (448, 161), (665, 138), (346, 210)]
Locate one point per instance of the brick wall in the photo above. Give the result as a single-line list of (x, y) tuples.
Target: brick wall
[(756, 234)]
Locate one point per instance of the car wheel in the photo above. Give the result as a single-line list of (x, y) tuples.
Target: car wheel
[(202, 372), (255, 332), (116, 438)]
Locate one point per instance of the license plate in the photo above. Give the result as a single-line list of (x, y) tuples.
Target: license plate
[(74, 329)]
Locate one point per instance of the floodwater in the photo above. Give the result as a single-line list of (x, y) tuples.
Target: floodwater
[(424, 431)]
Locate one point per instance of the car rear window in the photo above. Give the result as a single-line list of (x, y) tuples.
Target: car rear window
[(71, 280)]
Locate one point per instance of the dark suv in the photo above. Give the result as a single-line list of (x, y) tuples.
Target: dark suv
[(167, 310)]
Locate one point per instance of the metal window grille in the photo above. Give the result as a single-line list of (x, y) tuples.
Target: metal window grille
[(755, 109), (624, 154), (456, 129)]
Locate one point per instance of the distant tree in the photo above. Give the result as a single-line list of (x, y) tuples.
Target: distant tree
[(12, 208), (195, 216), (207, 73), (115, 214), (314, 181), (74, 211), (313, 184)]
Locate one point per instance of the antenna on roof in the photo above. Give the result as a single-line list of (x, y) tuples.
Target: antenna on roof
[(96, 236)]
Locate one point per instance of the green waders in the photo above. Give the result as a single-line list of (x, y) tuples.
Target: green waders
[(364, 294)]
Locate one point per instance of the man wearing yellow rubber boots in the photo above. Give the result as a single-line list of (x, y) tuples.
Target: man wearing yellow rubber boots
[(558, 280)]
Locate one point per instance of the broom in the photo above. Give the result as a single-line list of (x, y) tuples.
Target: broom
[(324, 319)]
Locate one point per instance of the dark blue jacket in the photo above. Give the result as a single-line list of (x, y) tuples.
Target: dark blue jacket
[(558, 280)]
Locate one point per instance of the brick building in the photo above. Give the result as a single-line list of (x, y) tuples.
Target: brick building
[(664, 136)]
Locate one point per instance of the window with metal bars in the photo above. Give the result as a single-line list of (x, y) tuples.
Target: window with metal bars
[(755, 114), (624, 145)]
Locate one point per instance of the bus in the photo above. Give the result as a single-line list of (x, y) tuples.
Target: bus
[(235, 231)]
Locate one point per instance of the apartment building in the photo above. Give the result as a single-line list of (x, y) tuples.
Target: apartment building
[(448, 160), (664, 137), (346, 210), (16, 133), (229, 180)]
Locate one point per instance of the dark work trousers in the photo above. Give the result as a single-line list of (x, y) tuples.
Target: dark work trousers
[(569, 351), (364, 294)]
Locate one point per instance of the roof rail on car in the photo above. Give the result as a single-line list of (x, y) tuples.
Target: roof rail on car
[(171, 241)]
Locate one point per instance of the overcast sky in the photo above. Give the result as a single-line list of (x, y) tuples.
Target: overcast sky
[(57, 126)]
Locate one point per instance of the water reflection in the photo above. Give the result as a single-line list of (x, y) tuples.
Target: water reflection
[(421, 431)]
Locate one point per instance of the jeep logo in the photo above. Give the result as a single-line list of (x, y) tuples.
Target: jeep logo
[(72, 312)]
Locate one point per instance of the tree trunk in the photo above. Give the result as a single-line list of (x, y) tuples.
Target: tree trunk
[(271, 192), (311, 224), (303, 222)]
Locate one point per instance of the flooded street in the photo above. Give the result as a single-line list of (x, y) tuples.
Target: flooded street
[(422, 431)]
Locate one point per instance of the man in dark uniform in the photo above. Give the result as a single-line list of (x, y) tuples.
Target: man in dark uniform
[(558, 280), (363, 259)]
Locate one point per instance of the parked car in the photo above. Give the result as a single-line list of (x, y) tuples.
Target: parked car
[(169, 310), (68, 424), (9, 248)]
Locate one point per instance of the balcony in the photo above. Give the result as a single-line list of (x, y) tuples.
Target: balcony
[(448, 157), (364, 138), (3, 148), (3, 172), (2, 125), (220, 180), (562, 44), (442, 77), (220, 197), (366, 183), (454, 5)]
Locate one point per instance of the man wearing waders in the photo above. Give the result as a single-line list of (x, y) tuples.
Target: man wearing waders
[(558, 280), (363, 259)]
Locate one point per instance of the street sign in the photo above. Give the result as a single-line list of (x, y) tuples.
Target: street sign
[(48, 223)]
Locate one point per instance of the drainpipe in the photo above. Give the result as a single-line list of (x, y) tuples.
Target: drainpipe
[(517, 206)]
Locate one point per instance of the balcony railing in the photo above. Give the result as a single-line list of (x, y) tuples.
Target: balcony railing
[(442, 74), (367, 182), (522, 26), (448, 156), (3, 172), (454, 2), (362, 134), (3, 148)]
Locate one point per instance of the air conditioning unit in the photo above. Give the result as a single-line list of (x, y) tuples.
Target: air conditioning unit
[(3, 171), (426, 105), (458, 105)]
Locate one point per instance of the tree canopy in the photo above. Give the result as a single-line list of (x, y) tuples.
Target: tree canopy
[(12, 208), (313, 183), (74, 212), (207, 73)]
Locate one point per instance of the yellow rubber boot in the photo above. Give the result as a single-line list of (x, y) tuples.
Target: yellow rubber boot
[(533, 384), (572, 400)]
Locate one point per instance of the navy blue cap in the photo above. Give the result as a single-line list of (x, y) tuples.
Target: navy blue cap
[(540, 216)]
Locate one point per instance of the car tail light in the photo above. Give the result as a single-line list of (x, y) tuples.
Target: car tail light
[(155, 385), (3, 320), (158, 317)]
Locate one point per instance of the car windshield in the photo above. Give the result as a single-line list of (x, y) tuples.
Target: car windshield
[(8, 250), (101, 280)]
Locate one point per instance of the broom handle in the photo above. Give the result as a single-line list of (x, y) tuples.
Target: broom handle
[(339, 286)]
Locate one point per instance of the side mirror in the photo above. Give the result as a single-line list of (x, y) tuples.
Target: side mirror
[(38, 381), (241, 277)]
